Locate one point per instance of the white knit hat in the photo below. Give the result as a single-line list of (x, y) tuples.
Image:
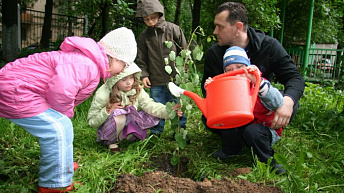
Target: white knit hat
[(235, 55), (120, 44)]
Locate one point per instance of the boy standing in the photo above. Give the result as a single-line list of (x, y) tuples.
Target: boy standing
[(152, 51)]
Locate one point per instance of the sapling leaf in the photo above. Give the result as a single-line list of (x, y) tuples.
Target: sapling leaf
[(172, 55), (169, 106), (188, 107), (195, 79), (183, 53), (190, 86), (166, 61), (179, 61), (175, 160), (168, 44), (197, 53), (180, 140), (168, 69), (178, 79), (187, 53), (194, 37), (181, 69), (172, 114)]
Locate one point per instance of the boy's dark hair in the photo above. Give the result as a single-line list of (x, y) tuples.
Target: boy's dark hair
[(237, 12)]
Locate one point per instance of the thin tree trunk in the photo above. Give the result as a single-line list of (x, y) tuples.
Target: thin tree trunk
[(10, 30), (104, 13), (46, 31), (70, 23), (196, 14), (177, 14)]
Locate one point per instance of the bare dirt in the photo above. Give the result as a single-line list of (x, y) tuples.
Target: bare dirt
[(161, 180)]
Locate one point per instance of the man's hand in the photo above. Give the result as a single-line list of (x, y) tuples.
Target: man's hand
[(146, 82), (283, 113)]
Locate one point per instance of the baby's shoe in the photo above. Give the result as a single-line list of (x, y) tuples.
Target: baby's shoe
[(66, 189)]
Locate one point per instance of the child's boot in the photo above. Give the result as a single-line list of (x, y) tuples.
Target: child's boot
[(114, 148), (75, 166), (66, 189)]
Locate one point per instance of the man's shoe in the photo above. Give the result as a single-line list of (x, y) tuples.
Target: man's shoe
[(66, 189), (223, 156), (279, 169)]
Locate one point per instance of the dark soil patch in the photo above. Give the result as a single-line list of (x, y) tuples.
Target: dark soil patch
[(164, 180)]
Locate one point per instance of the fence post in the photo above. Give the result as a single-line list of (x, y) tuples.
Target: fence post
[(19, 27), (85, 24), (305, 63)]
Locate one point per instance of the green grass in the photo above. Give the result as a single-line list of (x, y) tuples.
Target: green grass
[(311, 149)]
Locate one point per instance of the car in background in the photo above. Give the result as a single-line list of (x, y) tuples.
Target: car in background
[(325, 64)]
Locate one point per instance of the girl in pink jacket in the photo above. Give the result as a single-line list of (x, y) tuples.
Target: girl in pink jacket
[(39, 93)]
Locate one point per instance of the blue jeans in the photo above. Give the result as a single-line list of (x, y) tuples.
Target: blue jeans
[(55, 133), (162, 95)]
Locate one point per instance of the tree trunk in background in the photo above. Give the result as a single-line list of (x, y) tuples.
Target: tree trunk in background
[(46, 31), (104, 13), (196, 14), (70, 24), (10, 38), (177, 14)]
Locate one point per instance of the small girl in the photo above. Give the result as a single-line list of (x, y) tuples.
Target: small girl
[(39, 93), (121, 109)]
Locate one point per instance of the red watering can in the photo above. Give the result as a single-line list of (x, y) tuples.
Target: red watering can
[(230, 99)]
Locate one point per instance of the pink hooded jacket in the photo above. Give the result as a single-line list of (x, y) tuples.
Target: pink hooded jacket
[(57, 79)]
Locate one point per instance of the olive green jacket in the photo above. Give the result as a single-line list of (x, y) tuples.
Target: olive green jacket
[(151, 48)]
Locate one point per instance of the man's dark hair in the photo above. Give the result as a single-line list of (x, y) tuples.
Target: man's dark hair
[(237, 13)]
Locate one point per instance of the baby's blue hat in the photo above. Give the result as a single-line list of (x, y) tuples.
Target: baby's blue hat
[(235, 55)]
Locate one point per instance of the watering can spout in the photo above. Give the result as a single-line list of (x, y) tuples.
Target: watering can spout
[(177, 91)]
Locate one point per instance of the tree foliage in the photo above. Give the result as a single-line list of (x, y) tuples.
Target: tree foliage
[(326, 23), (102, 15), (105, 15)]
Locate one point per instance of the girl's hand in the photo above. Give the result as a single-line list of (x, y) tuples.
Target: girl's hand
[(209, 80), (250, 76), (115, 106), (178, 110)]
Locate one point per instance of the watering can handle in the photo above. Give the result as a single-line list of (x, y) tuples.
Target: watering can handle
[(242, 71)]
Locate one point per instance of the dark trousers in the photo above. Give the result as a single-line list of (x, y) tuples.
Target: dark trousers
[(256, 136)]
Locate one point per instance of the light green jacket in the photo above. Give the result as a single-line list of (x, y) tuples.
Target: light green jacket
[(97, 113)]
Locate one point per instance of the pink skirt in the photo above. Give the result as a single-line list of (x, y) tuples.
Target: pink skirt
[(137, 123)]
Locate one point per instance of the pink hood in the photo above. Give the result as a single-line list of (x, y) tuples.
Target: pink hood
[(98, 55)]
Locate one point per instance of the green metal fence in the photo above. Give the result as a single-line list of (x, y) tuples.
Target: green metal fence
[(323, 64)]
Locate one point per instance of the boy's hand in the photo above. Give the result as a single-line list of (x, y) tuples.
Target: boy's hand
[(250, 76), (209, 80), (114, 107), (146, 82)]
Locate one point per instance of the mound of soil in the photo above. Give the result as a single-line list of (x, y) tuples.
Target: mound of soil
[(163, 182)]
